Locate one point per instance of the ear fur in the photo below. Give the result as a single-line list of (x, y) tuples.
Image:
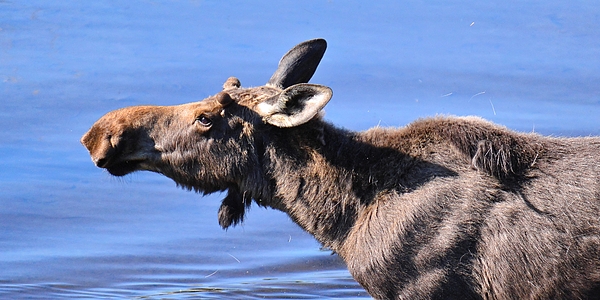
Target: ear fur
[(295, 105), (299, 64)]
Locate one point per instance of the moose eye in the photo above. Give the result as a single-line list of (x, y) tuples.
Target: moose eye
[(204, 120)]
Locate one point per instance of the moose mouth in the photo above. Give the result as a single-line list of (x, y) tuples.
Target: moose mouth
[(123, 168)]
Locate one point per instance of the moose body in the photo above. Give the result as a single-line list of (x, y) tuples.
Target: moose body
[(445, 207)]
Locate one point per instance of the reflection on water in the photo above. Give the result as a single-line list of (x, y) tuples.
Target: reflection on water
[(68, 229)]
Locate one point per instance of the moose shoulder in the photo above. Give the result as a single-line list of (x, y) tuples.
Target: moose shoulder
[(445, 207)]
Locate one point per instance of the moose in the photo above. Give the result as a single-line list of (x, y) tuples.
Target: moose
[(443, 208)]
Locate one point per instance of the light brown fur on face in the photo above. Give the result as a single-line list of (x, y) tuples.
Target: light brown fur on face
[(444, 208)]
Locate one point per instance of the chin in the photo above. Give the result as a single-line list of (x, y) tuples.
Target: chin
[(123, 168)]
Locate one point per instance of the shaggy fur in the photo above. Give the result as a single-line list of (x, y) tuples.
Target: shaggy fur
[(444, 208)]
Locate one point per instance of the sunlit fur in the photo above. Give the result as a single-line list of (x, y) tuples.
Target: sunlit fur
[(444, 208)]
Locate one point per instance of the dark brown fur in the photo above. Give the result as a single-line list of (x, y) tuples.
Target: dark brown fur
[(445, 207)]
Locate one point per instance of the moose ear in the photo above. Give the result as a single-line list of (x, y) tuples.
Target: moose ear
[(296, 105), (299, 64)]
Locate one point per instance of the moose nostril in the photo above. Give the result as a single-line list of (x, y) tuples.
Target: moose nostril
[(101, 150)]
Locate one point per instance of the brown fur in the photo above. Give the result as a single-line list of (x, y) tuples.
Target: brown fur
[(445, 207)]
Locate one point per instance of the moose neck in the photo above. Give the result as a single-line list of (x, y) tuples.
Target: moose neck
[(324, 177)]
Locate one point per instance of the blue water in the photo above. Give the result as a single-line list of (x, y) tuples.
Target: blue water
[(68, 229)]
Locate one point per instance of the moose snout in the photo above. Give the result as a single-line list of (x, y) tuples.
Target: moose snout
[(100, 147), (102, 161)]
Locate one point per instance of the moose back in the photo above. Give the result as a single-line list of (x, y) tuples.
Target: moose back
[(445, 207)]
